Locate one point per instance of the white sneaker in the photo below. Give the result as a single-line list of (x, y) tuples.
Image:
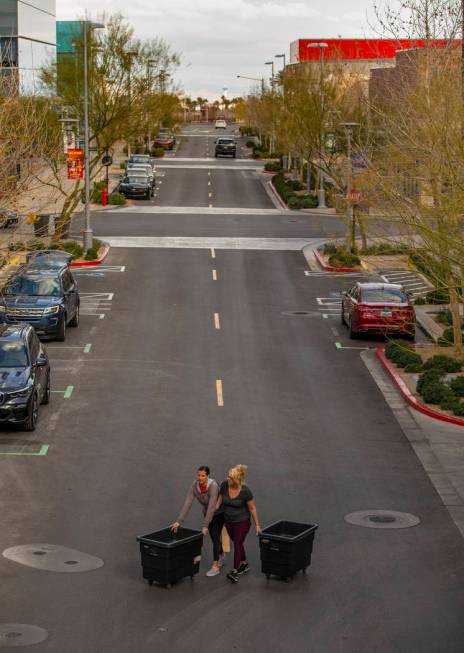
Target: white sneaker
[(214, 571)]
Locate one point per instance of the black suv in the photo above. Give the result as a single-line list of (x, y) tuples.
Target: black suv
[(24, 375), (225, 145), (136, 185), (46, 298)]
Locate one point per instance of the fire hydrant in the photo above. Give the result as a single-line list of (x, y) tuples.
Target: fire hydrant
[(104, 197)]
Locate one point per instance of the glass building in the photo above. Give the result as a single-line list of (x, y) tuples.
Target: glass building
[(27, 41)]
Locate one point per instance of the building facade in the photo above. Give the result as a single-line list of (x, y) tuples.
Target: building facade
[(27, 42)]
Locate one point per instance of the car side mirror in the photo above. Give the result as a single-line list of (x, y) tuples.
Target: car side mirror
[(41, 360)]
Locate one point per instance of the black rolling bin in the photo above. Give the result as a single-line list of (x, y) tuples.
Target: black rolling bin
[(286, 548), (167, 556)]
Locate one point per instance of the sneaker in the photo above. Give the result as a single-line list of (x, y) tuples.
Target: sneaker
[(214, 571), (233, 576), (244, 567)]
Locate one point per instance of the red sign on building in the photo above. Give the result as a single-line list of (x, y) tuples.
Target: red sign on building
[(75, 163)]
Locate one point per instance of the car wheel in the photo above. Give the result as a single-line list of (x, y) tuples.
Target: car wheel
[(46, 394), (33, 414), (61, 335), (75, 321), (353, 333), (147, 195)]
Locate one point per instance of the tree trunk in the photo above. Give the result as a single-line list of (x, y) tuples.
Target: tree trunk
[(362, 229), (455, 314)]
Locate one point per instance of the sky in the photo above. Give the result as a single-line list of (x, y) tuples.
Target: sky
[(220, 39)]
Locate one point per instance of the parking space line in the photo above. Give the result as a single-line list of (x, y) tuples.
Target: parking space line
[(43, 452), (214, 275), (339, 345), (66, 393), (219, 393), (217, 322)]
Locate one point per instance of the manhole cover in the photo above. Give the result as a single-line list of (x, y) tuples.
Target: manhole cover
[(51, 557), (297, 313), (14, 635), (382, 519)]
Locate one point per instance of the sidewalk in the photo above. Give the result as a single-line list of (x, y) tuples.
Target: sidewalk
[(439, 446)]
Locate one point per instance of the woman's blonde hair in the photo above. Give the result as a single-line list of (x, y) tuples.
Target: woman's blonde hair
[(238, 474)]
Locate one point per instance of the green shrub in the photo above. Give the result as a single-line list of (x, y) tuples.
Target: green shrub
[(273, 166), (408, 358), (443, 363), (245, 130), (344, 260), (447, 338), (294, 184), (72, 247), (429, 378), (434, 392), (294, 202), (458, 410), (250, 144), (16, 247), (386, 248), (309, 202), (444, 317), (157, 152), (413, 368), (91, 254), (449, 401), (96, 244), (117, 199), (123, 165), (420, 301), (394, 346), (457, 386), (438, 296), (260, 154), (35, 244), (330, 248)]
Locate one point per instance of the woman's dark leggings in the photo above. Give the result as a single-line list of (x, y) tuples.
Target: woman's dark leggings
[(237, 533), (215, 529)]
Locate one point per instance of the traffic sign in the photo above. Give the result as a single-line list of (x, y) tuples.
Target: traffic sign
[(354, 196), (107, 160)]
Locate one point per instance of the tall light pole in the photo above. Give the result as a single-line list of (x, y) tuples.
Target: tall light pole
[(88, 233), (270, 63), (348, 126), (254, 79), (282, 56), (150, 64), (130, 54), (321, 192)]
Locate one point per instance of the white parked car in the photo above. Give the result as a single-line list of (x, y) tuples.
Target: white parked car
[(220, 124)]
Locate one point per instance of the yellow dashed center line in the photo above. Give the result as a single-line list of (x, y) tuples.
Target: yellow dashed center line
[(219, 393)]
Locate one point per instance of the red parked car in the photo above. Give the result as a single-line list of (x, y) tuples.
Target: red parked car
[(383, 308), (164, 140)]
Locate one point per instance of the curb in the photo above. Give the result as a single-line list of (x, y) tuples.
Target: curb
[(329, 268), (277, 196), (97, 261), (408, 395)]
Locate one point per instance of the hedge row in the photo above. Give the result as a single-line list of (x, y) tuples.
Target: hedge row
[(431, 384), (286, 189)]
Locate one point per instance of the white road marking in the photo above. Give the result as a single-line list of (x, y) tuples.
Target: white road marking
[(183, 242), (219, 393), (213, 252), (197, 210), (217, 322), (214, 275)]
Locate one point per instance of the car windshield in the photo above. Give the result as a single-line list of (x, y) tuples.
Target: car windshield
[(135, 180), (35, 286), (13, 354), (384, 296), (139, 160), (226, 141)]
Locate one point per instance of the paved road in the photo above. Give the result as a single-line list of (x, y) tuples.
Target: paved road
[(300, 410)]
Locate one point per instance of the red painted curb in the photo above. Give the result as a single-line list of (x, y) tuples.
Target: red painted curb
[(408, 395), (97, 261), (329, 268), (279, 199)]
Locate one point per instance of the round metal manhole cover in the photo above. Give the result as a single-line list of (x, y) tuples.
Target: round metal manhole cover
[(382, 519), (297, 313), (52, 557), (14, 635)]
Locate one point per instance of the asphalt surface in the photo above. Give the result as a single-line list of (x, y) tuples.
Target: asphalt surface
[(301, 411)]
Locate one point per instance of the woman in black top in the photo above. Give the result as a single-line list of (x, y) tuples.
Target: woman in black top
[(238, 505)]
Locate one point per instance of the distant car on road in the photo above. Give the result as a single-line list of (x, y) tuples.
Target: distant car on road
[(135, 159), (226, 146), (45, 298), (136, 185), (8, 218), (24, 375), (142, 169), (383, 308), (165, 140), (220, 124)]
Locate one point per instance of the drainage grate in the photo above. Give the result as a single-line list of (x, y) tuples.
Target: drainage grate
[(15, 635), (382, 519)]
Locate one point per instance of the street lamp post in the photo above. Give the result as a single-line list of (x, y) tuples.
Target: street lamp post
[(150, 64), (271, 63), (282, 56), (130, 54), (321, 192), (254, 79), (88, 233), (350, 214)]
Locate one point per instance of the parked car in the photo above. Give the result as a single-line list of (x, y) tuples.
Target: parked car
[(140, 169), (164, 140), (383, 308), (225, 146), (220, 124), (24, 375), (139, 158), (45, 298), (8, 218), (49, 258), (136, 185)]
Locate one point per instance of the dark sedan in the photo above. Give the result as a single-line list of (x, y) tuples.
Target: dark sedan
[(226, 146), (139, 186), (24, 376)]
